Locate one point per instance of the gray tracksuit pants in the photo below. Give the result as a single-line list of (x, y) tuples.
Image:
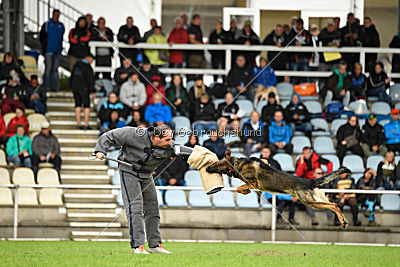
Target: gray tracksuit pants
[(141, 209)]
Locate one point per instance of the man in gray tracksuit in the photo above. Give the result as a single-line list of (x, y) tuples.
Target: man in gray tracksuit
[(145, 149)]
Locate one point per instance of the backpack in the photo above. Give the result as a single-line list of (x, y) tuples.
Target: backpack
[(333, 111)]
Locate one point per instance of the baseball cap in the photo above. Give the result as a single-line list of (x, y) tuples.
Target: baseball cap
[(156, 78), (372, 117), (45, 125), (394, 111), (271, 95), (247, 23)]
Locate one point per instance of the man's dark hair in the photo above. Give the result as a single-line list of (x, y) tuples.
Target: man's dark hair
[(343, 63), (368, 18), (161, 130), (34, 77), (266, 147), (20, 126), (56, 11), (195, 16), (306, 148)]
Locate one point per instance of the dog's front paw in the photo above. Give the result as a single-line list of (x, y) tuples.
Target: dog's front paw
[(345, 223)]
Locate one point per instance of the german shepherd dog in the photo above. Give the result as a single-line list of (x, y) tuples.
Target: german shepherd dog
[(258, 174)]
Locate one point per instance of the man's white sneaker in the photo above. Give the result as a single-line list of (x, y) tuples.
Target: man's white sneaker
[(159, 249), (140, 250)]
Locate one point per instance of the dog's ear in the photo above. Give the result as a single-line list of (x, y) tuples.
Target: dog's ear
[(228, 154)]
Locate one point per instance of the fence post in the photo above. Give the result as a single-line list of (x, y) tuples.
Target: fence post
[(15, 234), (273, 219), (228, 59), (362, 59)]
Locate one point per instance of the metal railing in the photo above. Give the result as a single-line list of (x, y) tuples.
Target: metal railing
[(185, 188)]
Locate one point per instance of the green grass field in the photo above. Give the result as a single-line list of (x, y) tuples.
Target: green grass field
[(69, 253)]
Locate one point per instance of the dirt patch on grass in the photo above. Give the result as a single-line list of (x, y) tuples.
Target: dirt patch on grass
[(276, 252)]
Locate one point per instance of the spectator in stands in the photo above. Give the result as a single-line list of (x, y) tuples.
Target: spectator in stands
[(308, 162), (153, 25), (386, 171), (122, 74), (193, 141), (147, 71), (172, 171), (46, 148), (392, 182), (336, 21), (51, 38), (82, 84), (158, 113), (36, 96), (113, 122), (232, 30), (111, 105), (19, 148), (378, 82), (197, 90), (373, 137), (228, 115), (278, 38), (89, 21), (196, 58), (359, 83), (102, 33), (157, 57), (9, 67), (218, 37), (239, 78), (280, 134), (286, 29), (129, 34), (79, 38), (11, 96), (136, 119), (265, 80), (247, 36), (282, 202), (266, 154), (351, 38), (133, 93), (268, 111), (368, 182), (254, 134), (184, 18), (204, 115), (299, 61), (338, 86), (19, 118), (315, 56), (369, 38), (155, 87), (392, 131), (3, 131), (178, 96), (349, 138), (346, 182), (177, 36), (395, 43), (330, 36), (298, 116), (215, 144)]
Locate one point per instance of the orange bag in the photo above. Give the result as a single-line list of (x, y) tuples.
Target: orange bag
[(305, 89)]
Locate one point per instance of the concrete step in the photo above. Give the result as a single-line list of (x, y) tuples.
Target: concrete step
[(61, 100), (87, 234), (74, 142), (70, 123), (80, 160), (84, 179), (89, 217), (63, 94), (84, 167), (76, 151), (84, 172), (94, 224), (90, 205), (89, 198), (68, 115), (64, 106)]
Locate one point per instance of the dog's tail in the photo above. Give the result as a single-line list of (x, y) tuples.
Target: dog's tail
[(330, 177)]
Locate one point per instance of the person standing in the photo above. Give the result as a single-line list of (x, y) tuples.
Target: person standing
[(177, 36), (129, 34), (196, 58), (51, 38), (79, 42), (218, 37)]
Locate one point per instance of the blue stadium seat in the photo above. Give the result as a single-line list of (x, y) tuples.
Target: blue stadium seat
[(243, 121), (373, 161), (192, 178), (285, 90), (199, 199), (218, 101), (113, 154), (336, 125), (255, 155), (245, 105), (107, 86), (238, 155), (101, 102), (181, 139), (324, 145), (394, 92), (175, 198), (189, 85), (181, 122), (397, 106), (390, 202), (354, 163), (286, 162), (203, 138), (116, 180), (361, 122), (299, 142), (357, 176), (260, 105), (235, 182), (321, 125), (380, 108), (335, 162), (248, 201), (223, 199), (384, 122), (285, 103), (313, 107), (230, 138), (159, 198)]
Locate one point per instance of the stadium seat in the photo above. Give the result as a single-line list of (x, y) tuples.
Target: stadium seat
[(199, 199), (236, 182), (226, 180), (313, 107), (248, 201), (48, 176), (203, 138), (380, 108), (255, 155), (29, 111), (299, 142), (285, 90), (390, 202), (113, 154), (354, 163), (30, 64), (285, 103), (7, 117), (175, 198), (23, 176), (238, 155), (116, 180), (357, 176), (160, 198), (27, 197), (100, 102), (181, 139), (335, 162), (35, 122), (107, 84), (384, 122), (246, 106), (373, 161), (397, 106), (4, 176), (324, 145), (223, 199), (189, 85), (320, 127), (286, 162), (3, 161), (192, 178), (336, 125), (120, 201), (231, 139), (6, 197), (394, 92), (243, 121), (50, 197), (181, 123), (260, 106), (218, 101), (361, 123)]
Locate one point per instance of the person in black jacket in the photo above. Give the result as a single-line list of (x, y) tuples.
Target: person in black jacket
[(255, 134), (298, 116), (378, 82), (147, 71), (227, 114), (351, 38), (198, 89), (218, 36), (9, 67), (268, 111), (171, 172), (204, 115), (79, 38), (239, 77), (369, 38), (330, 37), (278, 38), (35, 96), (266, 154), (370, 201), (247, 36), (344, 134), (122, 74), (82, 84), (373, 137), (395, 43), (359, 83), (129, 34), (113, 104), (337, 86), (215, 144), (103, 55), (387, 172), (193, 141)]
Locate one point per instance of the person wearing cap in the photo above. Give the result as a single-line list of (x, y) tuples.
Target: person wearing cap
[(392, 131), (373, 137), (133, 93), (195, 58), (247, 36), (46, 148), (278, 38), (268, 111), (82, 84), (155, 87), (147, 71)]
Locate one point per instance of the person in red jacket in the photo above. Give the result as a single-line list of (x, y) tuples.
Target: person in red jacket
[(177, 36), (308, 161), (3, 137), (155, 87), (19, 118)]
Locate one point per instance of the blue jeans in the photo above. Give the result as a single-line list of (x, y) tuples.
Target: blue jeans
[(380, 92), (304, 127), (202, 127), (389, 186), (51, 62), (17, 162), (37, 105), (302, 64)]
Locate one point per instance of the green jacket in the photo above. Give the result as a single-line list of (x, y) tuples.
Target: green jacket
[(24, 144), (153, 54), (171, 95)]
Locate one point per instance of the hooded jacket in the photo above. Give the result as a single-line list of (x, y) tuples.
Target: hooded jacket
[(268, 111), (273, 39), (348, 130), (107, 108), (281, 133), (150, 91), (43, 145), (297, 109), (264, 76), (132, 92), (158, 112), (306, 169), (154, 54), (82, 77), (79, 45), (392, 132)]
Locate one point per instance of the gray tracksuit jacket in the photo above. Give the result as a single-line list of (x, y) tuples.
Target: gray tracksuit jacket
[(132, 92)]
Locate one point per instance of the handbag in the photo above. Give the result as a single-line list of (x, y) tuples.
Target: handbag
[(351, 140), (21, 156), (163, 56)]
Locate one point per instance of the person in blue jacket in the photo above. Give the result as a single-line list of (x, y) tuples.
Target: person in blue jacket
[(51, 38), (280, 134), (215, 144), (157, 113), (266, 77), (112, 123), (392, 131)]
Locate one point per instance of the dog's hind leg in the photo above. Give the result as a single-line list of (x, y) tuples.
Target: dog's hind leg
[(330, 206)]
